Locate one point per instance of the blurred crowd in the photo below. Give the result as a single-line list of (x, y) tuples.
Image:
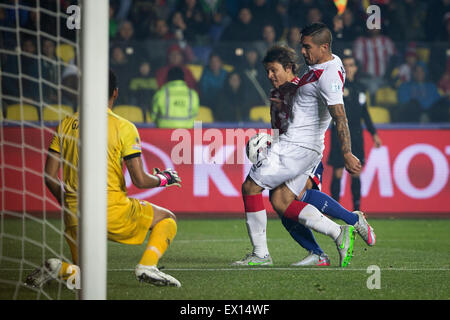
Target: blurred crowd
[(219, 45)]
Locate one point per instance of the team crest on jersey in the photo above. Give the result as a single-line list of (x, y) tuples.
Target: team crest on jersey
[(137, 145)]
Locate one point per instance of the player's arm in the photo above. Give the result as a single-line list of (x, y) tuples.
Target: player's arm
[(370, 126), (352, 163), (143, 180), (52, 181)]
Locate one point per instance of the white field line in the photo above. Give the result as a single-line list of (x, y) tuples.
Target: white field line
[(283, 239), (265, 269)]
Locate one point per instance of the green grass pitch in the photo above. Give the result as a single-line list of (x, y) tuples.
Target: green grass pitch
[(413, 256)]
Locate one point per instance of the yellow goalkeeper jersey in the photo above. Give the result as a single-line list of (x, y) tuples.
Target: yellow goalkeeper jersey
[(123, 143)]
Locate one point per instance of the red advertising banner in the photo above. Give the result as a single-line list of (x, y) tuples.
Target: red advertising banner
[(408, 174)]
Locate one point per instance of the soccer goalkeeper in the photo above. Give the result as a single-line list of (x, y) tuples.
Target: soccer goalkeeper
[(128, 219)]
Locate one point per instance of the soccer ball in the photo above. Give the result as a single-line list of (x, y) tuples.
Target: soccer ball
[(258, 147)]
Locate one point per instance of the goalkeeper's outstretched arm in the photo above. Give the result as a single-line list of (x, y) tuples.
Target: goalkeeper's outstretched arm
[(143, 180)]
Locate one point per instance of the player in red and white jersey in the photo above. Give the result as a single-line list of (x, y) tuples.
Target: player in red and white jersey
[(310, 105)]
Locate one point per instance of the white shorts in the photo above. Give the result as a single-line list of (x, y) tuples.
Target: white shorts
[(286, 163)]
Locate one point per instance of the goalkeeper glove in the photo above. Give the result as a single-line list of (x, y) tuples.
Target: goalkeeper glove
[(167, 178)]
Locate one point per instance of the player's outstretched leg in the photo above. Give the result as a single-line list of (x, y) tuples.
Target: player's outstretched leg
[(164, 229), (329, 206), (312, 218)]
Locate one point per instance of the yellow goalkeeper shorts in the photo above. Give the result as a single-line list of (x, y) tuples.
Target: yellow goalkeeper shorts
[(129, 220)]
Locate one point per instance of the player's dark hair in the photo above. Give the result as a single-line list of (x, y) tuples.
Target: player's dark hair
[(112, 83), (284, 55), (175, 73), (319, 32)]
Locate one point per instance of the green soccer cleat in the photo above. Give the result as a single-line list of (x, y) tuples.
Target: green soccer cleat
[(344, 244), (253, 260)]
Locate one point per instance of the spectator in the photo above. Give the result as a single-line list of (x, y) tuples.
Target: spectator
[(298, 10), (126, 40), (417, 11), (161, 30), (374, 53), (440, 111), (180, 29), (439, 53), (10, 85), (232, 104), (445, 31), (262, 13), (244, 29), (29, 64), (126, 32), (175, 58), (143, 87), (396, 20), (212, 82), (294, 37), (49, 71), (254, 79), (196, 20), (220, 21), (314, 16), (113, 25), (436, 12), (404, 72), (120, 64), (143, 15), (175, 105), (345, 28), (70, 79), (269, 38), (444, 82), (417, 96), (123, 8), (281, 19)]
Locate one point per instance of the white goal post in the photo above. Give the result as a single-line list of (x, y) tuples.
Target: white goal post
[(93, 144)]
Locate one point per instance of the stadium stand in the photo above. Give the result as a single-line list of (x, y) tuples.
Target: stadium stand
[(56, 112), (14, 112), (131, 113), (205, 114), (379, 114), (260, 114)]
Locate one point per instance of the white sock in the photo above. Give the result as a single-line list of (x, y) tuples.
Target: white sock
[(312, 218), (256, 227)]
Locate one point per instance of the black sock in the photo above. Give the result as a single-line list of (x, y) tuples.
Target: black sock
[(335, 188), (356, 192)]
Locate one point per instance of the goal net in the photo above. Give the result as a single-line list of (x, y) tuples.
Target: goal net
[(40, 84)]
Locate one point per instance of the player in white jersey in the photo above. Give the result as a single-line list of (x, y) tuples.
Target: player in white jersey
[(315, 100)]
